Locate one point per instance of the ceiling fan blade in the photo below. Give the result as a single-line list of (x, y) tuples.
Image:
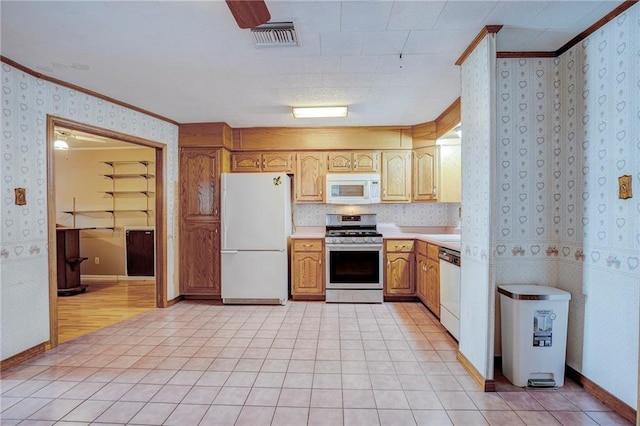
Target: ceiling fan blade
[(249, 13)]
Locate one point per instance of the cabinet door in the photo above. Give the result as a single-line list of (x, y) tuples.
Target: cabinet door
[(200, 259), (399, 274), (421, 277), (339, 162), (277, 162), (366, 161), (396, 176), (200, 184), (433, 286), (450, 185), (425, 174), (309, 177), (307, 276), (250, 162)]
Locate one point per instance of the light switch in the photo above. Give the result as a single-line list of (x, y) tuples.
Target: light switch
[(624, 187)]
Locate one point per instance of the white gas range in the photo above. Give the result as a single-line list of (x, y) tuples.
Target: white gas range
[(353, 259)]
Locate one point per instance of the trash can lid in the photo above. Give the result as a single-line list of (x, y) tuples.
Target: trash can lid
[(533, 292)]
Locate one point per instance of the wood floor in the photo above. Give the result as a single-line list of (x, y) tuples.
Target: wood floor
[(103, 304)]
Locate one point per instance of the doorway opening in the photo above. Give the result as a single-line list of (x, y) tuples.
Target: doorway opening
[(106, 227)]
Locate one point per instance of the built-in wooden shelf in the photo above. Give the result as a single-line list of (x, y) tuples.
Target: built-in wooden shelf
[(118, 163), (74, 212), (133, 193), (129, 175)]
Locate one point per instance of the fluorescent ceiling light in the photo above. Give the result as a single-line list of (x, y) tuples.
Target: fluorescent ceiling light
[(60, 144), (319, 112)]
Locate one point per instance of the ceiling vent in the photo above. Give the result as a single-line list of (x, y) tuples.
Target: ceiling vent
[(275, 34)]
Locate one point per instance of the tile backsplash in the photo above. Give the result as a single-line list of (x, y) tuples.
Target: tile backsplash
[(415, 214)]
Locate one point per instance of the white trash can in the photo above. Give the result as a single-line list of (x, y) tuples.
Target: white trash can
[(534, 334)]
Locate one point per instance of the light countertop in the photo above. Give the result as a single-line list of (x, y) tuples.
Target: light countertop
[(438, 235)]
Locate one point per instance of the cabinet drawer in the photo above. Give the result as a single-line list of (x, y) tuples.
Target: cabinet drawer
[(432, 251), (421, 248), (307, 245), (401, 246)]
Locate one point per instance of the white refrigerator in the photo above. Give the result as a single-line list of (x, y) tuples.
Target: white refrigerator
[(256, 225)]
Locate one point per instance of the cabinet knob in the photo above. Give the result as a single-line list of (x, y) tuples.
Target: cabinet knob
[(319, 261), (307, 245), (264, 163)]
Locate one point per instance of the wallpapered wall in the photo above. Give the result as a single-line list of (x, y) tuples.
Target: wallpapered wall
[(477, 290), (26, 102), (567, 128)]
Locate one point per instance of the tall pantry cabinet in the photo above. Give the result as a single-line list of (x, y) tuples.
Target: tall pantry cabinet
[(204, 156)]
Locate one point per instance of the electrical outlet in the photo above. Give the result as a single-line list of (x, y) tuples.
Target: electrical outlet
[(96, 260)]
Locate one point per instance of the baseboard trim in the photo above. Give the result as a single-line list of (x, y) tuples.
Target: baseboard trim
[(603, 395), (309, 297), (392, 298), (215, 300), (487, 385), (23, 356), (173, 301)]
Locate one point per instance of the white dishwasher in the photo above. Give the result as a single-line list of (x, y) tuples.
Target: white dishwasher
[(450, 290)]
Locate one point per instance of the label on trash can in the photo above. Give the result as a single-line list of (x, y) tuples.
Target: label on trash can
[(543, 327)]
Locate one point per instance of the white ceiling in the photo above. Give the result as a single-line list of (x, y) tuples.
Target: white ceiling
[(189, 61)]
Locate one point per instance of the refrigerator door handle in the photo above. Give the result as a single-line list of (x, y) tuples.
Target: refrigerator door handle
[(228, 251)]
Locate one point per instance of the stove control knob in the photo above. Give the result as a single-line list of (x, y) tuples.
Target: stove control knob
[(353, 239)]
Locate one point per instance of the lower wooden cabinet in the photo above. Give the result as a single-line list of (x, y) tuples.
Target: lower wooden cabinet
[(428, 276), (307, 269), (433, 286), (200, 259), (399, 268), (421, 271)]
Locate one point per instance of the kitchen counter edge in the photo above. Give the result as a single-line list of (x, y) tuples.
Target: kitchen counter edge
[(453, 245)]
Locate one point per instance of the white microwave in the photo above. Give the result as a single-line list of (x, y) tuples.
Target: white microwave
[(353, 188)]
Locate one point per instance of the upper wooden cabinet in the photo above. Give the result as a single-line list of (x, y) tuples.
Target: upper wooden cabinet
[(358, 161), (309, 177), (205, 135), (425, 174), (396, 176), (262, 162), (200, 184), (450, 166)]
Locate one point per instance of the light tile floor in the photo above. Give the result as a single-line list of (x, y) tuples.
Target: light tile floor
[(304, 363)]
